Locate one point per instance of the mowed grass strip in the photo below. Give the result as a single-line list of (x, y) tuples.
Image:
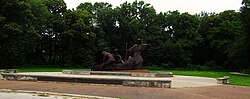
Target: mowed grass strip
[(234, 79)]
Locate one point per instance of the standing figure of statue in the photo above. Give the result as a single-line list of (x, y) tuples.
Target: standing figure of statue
[(136, 50), (117, 56)]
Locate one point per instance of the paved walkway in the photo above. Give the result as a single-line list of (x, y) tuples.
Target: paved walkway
[(15, 95), (210, 92), (177, 81), (237, 73), (26, 94)]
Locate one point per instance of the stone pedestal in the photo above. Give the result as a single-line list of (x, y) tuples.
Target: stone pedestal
[(116, 73)]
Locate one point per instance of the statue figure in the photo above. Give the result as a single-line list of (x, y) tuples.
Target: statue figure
[(136, 50), (108, 59), (104, 61), (114, 61), (118, 57)]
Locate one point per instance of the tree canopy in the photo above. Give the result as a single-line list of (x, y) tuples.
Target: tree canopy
[(45, 32)]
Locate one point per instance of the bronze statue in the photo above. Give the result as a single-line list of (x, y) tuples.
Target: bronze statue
[(133, 63), (136, 50)]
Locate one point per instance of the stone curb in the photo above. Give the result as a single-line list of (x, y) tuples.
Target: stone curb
[(55, 94)]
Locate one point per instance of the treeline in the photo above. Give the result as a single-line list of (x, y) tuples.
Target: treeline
[(45, 32)]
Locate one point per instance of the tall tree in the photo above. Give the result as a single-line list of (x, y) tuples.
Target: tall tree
[(55, 26), (19, 33), (222, 35), (80, 46), (103, 21), (245, 14)]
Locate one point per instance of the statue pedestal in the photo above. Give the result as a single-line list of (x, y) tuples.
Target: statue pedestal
[(120, 73)]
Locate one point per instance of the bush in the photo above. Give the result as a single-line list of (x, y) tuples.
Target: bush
[(246, 71), (153, 67), (165, 65), (197, 67)]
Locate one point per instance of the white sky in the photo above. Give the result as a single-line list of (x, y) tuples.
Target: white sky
[(190, 6)]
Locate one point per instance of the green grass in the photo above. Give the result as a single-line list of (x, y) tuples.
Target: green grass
[(240, 80), (234, 79)]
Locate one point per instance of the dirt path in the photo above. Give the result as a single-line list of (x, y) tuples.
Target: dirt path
[(219, 92)]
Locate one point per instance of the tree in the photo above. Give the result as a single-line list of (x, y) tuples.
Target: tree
[(245, 17), (103, 22), (44, 32), (55, 26), (222, 35), (41, 14), (19, 33), (80, 46)]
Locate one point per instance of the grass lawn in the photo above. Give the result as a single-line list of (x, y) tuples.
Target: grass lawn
[(235, 79)]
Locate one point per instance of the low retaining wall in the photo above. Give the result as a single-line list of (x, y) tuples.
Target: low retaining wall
[(130, 81), (85, 72)]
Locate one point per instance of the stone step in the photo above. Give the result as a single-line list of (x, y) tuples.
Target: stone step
[(115, 73), (92, 79)]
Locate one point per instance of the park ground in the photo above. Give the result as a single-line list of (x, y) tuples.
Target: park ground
[(241, 80), (212, 92), (237, 89)]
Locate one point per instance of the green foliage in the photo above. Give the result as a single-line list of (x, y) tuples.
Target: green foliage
[(154, 67), (222, 34), (246, 71), (173, 54), (80, 50), (245, 17), (44, 32), (19, 33)]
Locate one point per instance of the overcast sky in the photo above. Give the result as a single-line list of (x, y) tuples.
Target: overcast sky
[(190, 6)]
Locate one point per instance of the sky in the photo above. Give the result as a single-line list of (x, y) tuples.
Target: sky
[(190, 6)]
